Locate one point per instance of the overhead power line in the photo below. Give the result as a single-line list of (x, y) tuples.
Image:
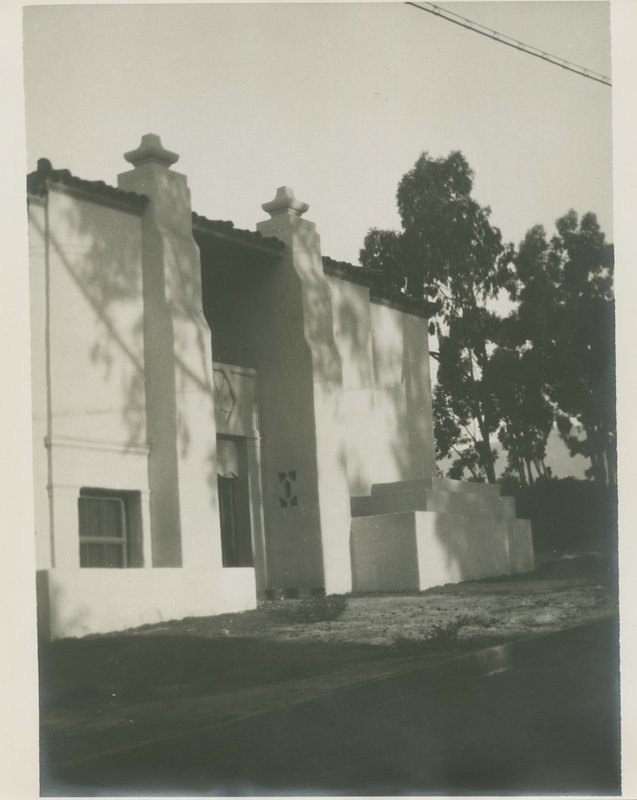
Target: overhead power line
[(432, 8)]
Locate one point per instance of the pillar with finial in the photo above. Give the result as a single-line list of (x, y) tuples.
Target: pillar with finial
[(177, 365), (302, 256)]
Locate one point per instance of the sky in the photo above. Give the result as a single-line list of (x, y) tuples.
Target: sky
[(335, 100)]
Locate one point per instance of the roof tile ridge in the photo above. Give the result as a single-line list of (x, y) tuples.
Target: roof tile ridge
[(39, 179), (226, 226)]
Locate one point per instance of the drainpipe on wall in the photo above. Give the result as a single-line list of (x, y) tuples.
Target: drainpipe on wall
[(47, 358)]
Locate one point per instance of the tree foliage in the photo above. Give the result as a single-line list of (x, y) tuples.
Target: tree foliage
[(447, 243), (448, 248), (526, 415), (566, 315), (551, 359)]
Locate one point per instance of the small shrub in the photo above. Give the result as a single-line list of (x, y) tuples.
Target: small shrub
[(439, 637), (446, 634)]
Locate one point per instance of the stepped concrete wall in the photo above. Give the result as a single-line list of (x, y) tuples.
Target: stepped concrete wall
[(455, 531)]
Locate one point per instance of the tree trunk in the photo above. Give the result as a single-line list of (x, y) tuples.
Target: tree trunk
[(539, 467), (518, 463), (484, 451), (598, 453), (528, 467), (486, 457)]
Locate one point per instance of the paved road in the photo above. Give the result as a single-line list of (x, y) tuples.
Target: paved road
[(548, 725)]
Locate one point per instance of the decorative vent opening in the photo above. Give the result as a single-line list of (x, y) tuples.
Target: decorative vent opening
[(287, 489)]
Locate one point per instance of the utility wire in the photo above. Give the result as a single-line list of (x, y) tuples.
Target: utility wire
[(450, 16)]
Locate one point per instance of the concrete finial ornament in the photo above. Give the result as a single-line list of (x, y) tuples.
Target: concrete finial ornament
[(151, 150), (285, 201), (44, 166)]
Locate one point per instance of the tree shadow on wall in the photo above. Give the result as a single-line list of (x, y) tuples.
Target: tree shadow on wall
[(396, 397), (99, 249)]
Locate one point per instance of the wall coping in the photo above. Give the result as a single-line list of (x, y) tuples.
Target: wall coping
[(372, 279)]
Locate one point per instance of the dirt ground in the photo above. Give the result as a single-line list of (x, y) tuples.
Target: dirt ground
[(104, 692)]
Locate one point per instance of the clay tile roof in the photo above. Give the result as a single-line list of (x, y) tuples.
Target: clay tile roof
[(351, 272), (222, 229), (380, 291), (39, 181), (412, 305)]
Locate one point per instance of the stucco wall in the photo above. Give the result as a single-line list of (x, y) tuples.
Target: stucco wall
[(352, 333), (416, 550), (95, 313), (403, 420), (454, 548), (120, 340), (78, 463), (384, 553), (344, 391), (78, 602), (86, 318), (38, 312), (255, 314), (386, 388)]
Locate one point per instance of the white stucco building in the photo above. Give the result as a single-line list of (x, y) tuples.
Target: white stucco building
[(222, 414)]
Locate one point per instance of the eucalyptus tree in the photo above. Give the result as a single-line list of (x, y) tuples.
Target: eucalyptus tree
[(566, 314), (448, 249)]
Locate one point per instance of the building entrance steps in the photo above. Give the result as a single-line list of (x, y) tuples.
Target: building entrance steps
[(416, 550), (434, 482), (434, 499), (413, 535)]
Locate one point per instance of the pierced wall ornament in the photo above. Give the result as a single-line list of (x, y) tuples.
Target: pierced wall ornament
[(287, 490)]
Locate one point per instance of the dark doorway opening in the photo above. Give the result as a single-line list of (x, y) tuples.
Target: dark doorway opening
[(234, 503)]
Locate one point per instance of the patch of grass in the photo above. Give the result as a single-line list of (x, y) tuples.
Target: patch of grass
[(315, 609)]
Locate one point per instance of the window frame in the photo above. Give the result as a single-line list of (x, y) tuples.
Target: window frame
[(128, 542)]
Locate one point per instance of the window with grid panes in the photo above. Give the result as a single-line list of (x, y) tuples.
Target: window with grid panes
[(103, 530)]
